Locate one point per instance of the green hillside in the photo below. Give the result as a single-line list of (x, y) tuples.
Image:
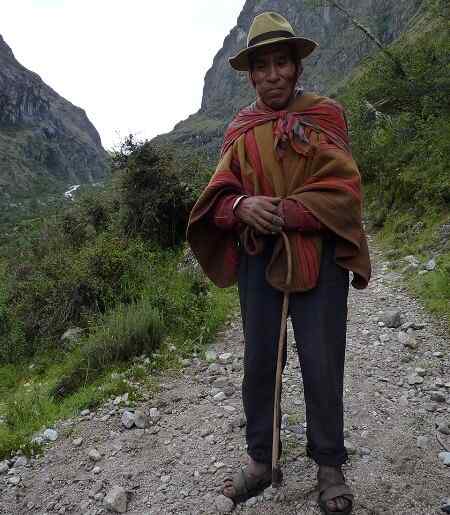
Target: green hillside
[(400, 129)]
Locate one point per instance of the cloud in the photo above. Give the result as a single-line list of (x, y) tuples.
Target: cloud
[(134, 66)]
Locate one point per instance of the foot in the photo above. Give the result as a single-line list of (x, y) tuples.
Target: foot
[(255, 473), (333, 475)]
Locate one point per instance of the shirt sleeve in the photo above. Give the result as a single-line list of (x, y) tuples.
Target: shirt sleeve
[(223, 211), (297, 217)]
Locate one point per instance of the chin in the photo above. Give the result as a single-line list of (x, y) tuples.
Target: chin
[(277, 104)]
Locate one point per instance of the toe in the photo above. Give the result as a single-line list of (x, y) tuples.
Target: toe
[(331, 505)]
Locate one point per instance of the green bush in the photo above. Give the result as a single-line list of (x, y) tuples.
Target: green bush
[(156, 203), (126, 332)]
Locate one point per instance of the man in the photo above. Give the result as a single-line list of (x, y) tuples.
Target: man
[(286, 170)]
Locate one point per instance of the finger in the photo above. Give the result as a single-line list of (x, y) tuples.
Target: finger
[(272, 218), (269, 226)]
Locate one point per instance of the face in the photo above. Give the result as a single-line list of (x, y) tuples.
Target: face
[(274, 75)]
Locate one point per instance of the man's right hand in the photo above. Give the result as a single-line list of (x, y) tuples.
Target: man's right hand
[(260, 212)]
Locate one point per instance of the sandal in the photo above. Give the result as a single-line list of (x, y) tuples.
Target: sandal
[(247, 486), (331, 489)]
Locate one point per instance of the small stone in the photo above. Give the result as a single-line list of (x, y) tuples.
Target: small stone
[(226, 358), (219, 397), (140, 419), (165, 479), (50, 435), (210, 356), (85, 413), (96, 470), (444, 456), (407, 340), (116, 500), (444, 428), (14, 480), (128, 419), (4, 467), (422, 442), (392, 318), (21, 461), (414, 379), (403, 401), (351, 449), (364, 451), (431, 265), (284, 421), (154, 415), (437, 397), (94, 455), (221, 382), (223, 504), (420, 371), (77, 442)]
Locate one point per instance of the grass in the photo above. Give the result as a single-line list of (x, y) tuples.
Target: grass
[(125, 353), (404, 234)]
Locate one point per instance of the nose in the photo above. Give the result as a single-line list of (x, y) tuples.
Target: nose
[(272, 75)]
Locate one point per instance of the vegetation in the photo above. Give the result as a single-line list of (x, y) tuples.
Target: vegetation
[(111, 265), (400, 128)]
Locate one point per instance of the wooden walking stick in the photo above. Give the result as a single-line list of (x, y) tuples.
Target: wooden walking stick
[(276, 472)]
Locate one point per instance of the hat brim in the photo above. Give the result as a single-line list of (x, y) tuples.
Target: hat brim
[(304, 47)]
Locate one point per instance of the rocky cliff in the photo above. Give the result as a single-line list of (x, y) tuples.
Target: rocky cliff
[(45, 140), (342, 47)]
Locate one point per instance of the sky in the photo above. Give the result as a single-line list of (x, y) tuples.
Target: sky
[(134, 66)]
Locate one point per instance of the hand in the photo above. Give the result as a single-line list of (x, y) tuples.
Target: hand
[(260, 212)]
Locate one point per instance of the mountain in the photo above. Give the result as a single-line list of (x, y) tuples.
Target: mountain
[(342, 47), (46, 143)]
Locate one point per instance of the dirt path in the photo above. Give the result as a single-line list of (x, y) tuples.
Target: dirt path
[(177, 464)]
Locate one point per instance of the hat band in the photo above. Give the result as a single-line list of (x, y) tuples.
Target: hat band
[(270, 35)]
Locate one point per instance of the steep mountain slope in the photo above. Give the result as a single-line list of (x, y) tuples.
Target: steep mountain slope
[(342, 47), (44, 139)]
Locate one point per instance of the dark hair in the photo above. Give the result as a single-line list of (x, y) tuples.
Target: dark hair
[(293, 54)]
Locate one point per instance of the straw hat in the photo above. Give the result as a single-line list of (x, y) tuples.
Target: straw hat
[(268, 28)]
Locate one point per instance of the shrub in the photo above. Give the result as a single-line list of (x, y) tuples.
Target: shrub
[(156, 203), (126, 332)]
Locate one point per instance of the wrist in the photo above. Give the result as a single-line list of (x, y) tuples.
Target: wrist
[(238, 204)]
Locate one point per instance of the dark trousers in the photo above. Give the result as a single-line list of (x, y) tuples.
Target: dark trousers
[(319, 319)]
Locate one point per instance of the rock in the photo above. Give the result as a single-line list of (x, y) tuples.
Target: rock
[(71, 337), (431, 265), (128, 419), (94, 455), (21, 461), (77, 442), (412, 260), (420, 371), (351, 449), (422, 442), (154, 415), (226, 358), (437, 397), (392, 318), (445, 505), (284, 421), (364, 451), (414, 379), (210, 356), (140, 419), (4, 467), (443, 427), (223, 504), (116, 500), (96, 470), (50, 435), (219, 397), (444, 456), (407, 340), (84, 413), (14, 480)]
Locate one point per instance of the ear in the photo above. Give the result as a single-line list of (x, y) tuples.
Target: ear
[(299, 69), (250, 78)]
